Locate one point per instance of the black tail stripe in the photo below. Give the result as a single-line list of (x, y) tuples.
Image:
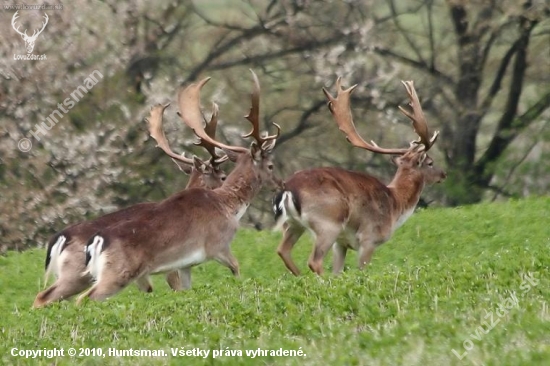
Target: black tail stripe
[(276, 204)]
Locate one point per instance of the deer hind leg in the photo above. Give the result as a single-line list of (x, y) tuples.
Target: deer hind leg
[(174, 280), (64, 288), (325, 237), (111, 281), (339, 256), (71, 281), (102, 290), (144, 284), (291, 234)]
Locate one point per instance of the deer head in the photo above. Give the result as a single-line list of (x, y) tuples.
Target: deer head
[(259, 153), (29, 40)]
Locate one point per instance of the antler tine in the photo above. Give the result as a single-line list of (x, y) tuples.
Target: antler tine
[(157, 132), (13, 19), (339, 106), (420, 125), (254, 115), (190, 113), (210, 130)]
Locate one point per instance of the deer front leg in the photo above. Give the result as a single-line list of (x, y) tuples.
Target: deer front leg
[(185, 276), (291, 234), (144, 284), (174, 281), (365, 254), (180, 279), (325, 238), (339, 256), (369, 239)]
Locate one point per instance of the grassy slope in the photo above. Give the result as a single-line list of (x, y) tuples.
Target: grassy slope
[(425, 293)]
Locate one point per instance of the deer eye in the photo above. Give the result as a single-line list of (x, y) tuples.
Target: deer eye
[(431, 163), (270, 167)]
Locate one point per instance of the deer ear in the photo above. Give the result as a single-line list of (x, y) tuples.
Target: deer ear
[(231, 155), (183, 167)]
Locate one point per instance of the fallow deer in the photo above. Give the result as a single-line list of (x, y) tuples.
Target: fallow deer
[(349, 209), (190, 227), (65, 255)]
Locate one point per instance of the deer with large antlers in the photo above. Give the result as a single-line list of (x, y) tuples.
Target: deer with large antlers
[(190, 227), (353, 210), (65, 256), (29, 40)]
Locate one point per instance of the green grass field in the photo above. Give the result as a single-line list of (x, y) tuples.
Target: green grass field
[(472, 279)]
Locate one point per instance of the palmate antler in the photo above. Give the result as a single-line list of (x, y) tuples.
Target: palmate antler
[(190, 112), (210, 130), (156, 131), (339, 106), (341, 111), (253, 115), (420, 125)]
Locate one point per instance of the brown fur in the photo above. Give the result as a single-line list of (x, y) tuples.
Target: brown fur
[(72, 279), (336, 204), (190, 221)]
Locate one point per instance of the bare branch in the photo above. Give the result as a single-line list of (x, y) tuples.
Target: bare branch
[(303, 122), (416, 64), (414, 47), (522, 159)]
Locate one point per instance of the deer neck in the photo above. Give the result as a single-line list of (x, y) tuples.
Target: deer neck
[(240, 187), (406, 187)]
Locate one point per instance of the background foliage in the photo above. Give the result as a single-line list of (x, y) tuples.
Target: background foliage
[(480, 67)]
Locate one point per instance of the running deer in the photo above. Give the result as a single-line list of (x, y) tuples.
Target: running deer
[(353, 210), (190, 227), (65, 255)]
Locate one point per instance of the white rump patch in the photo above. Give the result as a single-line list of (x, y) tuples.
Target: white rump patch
[(54, 265), (95, 265), (287, 208), (191, 259)]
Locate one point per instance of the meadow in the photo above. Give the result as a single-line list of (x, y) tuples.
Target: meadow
[(454, 286)]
